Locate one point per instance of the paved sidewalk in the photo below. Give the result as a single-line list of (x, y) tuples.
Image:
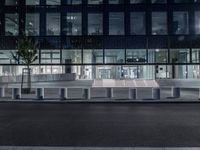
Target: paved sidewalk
[(95, 148)]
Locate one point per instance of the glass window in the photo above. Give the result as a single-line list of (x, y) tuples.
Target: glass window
[(114, 56), (159, 23), (95, 1), (32, 24), (32, 2), (135, 56), (197, 22), (182, 1), (138, 23), (137, 1), (71, 56), (72, 24), (11, 2), (95, 24), (53, 2), (180, 22), (50, 56), (53, 24), (158, 1), (179, 55), (195, 55), (116, 1), (6, 57), (157, 55), (92, 56), (11, 24), (74, 2), (116, 23)]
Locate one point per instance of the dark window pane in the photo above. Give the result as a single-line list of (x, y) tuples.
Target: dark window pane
[(11, 24), (95, 24)]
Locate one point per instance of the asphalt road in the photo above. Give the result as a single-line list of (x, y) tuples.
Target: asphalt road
[(103, 125)]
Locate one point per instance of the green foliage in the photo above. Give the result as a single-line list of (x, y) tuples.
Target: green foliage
[(27, 51)]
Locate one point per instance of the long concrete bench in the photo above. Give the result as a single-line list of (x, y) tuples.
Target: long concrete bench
[(86, 93)]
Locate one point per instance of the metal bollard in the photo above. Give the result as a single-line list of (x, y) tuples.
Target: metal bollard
[(132, 94), (109, 92), (175, 91), (16, 93), (156, 93), (63, 93), (86, 93), (40, 93), (2, 92)]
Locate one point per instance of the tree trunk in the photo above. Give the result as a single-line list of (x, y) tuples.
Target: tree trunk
[(29, 80)]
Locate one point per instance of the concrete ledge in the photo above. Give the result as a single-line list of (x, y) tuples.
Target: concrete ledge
[(94, 148), (46, 101)]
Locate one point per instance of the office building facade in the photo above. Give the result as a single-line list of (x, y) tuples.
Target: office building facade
[(105, 39)]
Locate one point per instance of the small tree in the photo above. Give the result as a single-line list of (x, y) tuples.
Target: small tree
[(26, 54)]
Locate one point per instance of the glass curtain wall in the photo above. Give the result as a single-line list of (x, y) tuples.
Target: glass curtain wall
[(32, 24), (72, 24), (11, 24)]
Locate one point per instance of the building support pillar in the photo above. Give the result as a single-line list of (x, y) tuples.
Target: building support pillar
[(109, 93), (87, 93), (40, 93), (63, 93), (156, 93), (16, 93), (2, 92), (175, 92), (132, 95)]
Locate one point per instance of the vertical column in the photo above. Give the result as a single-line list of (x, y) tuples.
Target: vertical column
[(63, 93), (175, 92), (87, 93), (109, 92), (2, 92), (132, 94), (156, 93), (40, 93), (16, 93)]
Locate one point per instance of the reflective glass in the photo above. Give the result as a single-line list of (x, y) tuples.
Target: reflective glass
[(114, 56), (136, 56), (11, 24), (6, 57), (95, 24), (53, 2), (53, 24), (32, 2), (92, 56), (159, 23), (157, 55), (158, 1), (50, 56), (180, 22), (71, 56), (11, 2), (72, 24), (179, 55), (32, 24), (138, 23), (197, 22), (116, 23), (73, 2), (95, 1), (196, 55), (116, 1), (137, 1)]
